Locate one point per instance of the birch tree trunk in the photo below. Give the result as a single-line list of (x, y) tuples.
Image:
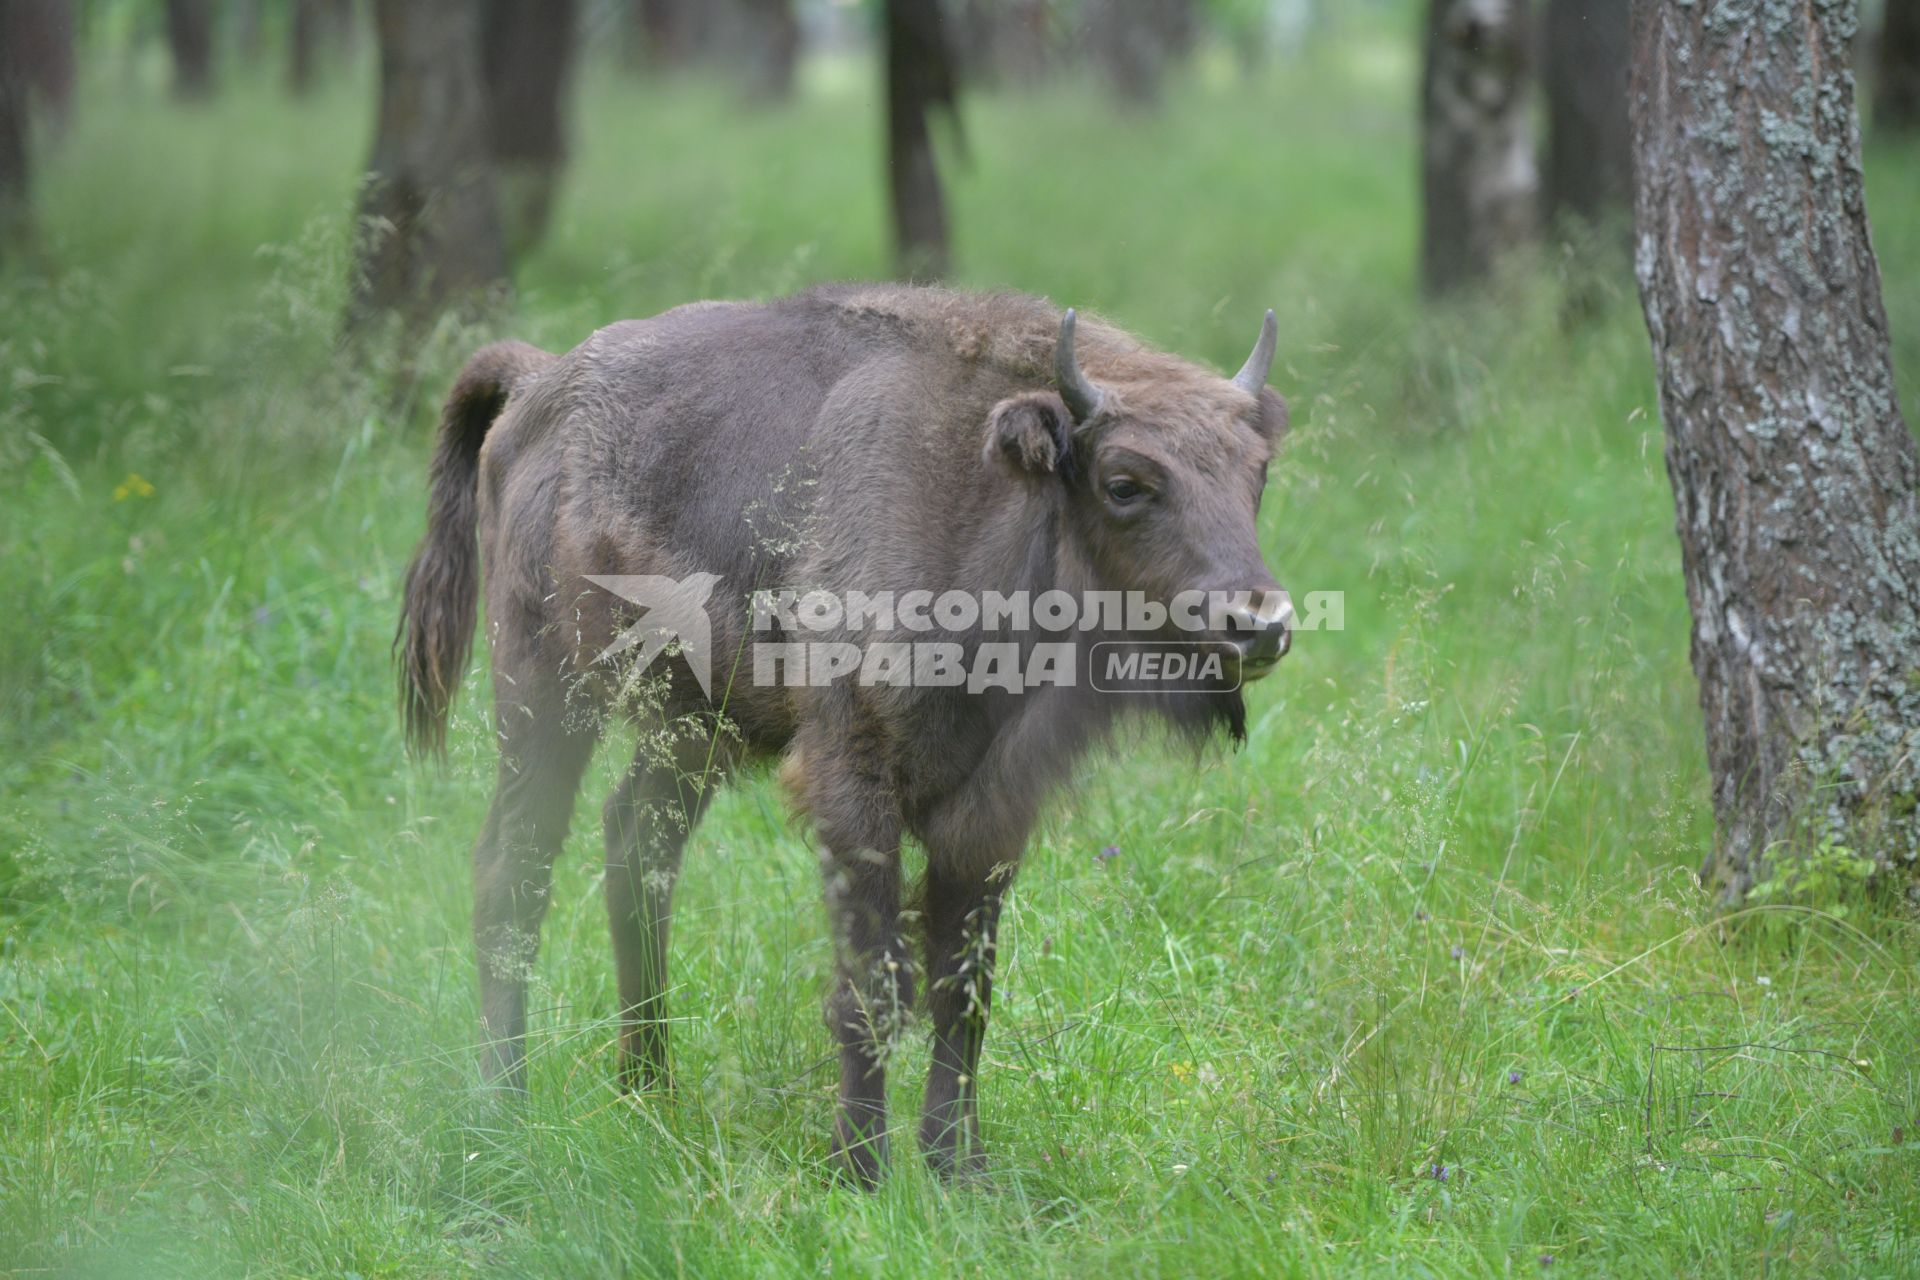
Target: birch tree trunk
[(1477, 166), (1793, 474)]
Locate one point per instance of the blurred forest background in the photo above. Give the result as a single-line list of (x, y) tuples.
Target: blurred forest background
[(1422, 981)]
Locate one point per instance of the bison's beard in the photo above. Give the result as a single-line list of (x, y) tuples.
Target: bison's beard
[(1199, 716)]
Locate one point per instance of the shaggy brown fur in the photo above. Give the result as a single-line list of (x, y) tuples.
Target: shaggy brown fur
[(871, 438)]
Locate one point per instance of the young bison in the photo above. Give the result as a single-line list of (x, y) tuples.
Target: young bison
[(877, 439)]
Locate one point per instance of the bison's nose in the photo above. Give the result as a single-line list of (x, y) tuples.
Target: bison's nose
[(1261, 629)]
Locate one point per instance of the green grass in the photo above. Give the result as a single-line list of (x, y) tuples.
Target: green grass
[(1439, 912)]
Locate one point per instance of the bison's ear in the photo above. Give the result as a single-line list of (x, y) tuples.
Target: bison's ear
[(1032, 433), (1274, 418)]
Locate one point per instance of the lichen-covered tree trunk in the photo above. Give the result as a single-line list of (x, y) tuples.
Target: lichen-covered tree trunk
[(1589, 154), (1477, 168), (429, 227), (920, 80), (527, 49), (15, 135), (1896, 92), (1793, 474), (190, 40)]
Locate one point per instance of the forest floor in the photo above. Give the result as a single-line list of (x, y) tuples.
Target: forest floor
[(1419, 982)]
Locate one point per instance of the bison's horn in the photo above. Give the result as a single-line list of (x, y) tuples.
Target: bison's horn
[(1253, 374), (1082, 397)]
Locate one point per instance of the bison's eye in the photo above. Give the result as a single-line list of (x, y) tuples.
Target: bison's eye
[(1123, 490)]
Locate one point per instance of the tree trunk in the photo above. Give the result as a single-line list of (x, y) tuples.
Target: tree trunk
[(769, 47), (1005, 42), (1132, 41), (527, 49), (1793, 473), (756, 43), (190, 38), (340, 28), (247, 30), (670, 34), (319, 33), (1589, 169), (303, 45), (919, 80), (15, 135), (1017, 44), (429, 228), (1477, 156), (42, 34), (1896, 94)]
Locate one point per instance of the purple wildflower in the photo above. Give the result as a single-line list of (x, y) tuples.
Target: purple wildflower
[(1459, 952), (1513, 1077), (1438, 1173), (1109, 853), (1546, 1259)]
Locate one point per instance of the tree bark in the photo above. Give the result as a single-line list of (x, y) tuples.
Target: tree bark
[(190, 38), (527, 49), (919, 80), (1477, 166), (1793, 474), (429, 227), (1896, 93), (1589, 155), (16, 170)]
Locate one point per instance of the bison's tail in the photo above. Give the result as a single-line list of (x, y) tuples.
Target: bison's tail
[(443, 581)]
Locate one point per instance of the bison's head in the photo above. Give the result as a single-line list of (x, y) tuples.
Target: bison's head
[(1161, 470)]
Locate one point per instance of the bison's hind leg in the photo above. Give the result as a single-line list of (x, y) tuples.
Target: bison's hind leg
[(543, 755), (648, 819)]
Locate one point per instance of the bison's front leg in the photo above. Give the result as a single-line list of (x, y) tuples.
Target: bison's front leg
[(873, 986), (871, 995), (962, 914)]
